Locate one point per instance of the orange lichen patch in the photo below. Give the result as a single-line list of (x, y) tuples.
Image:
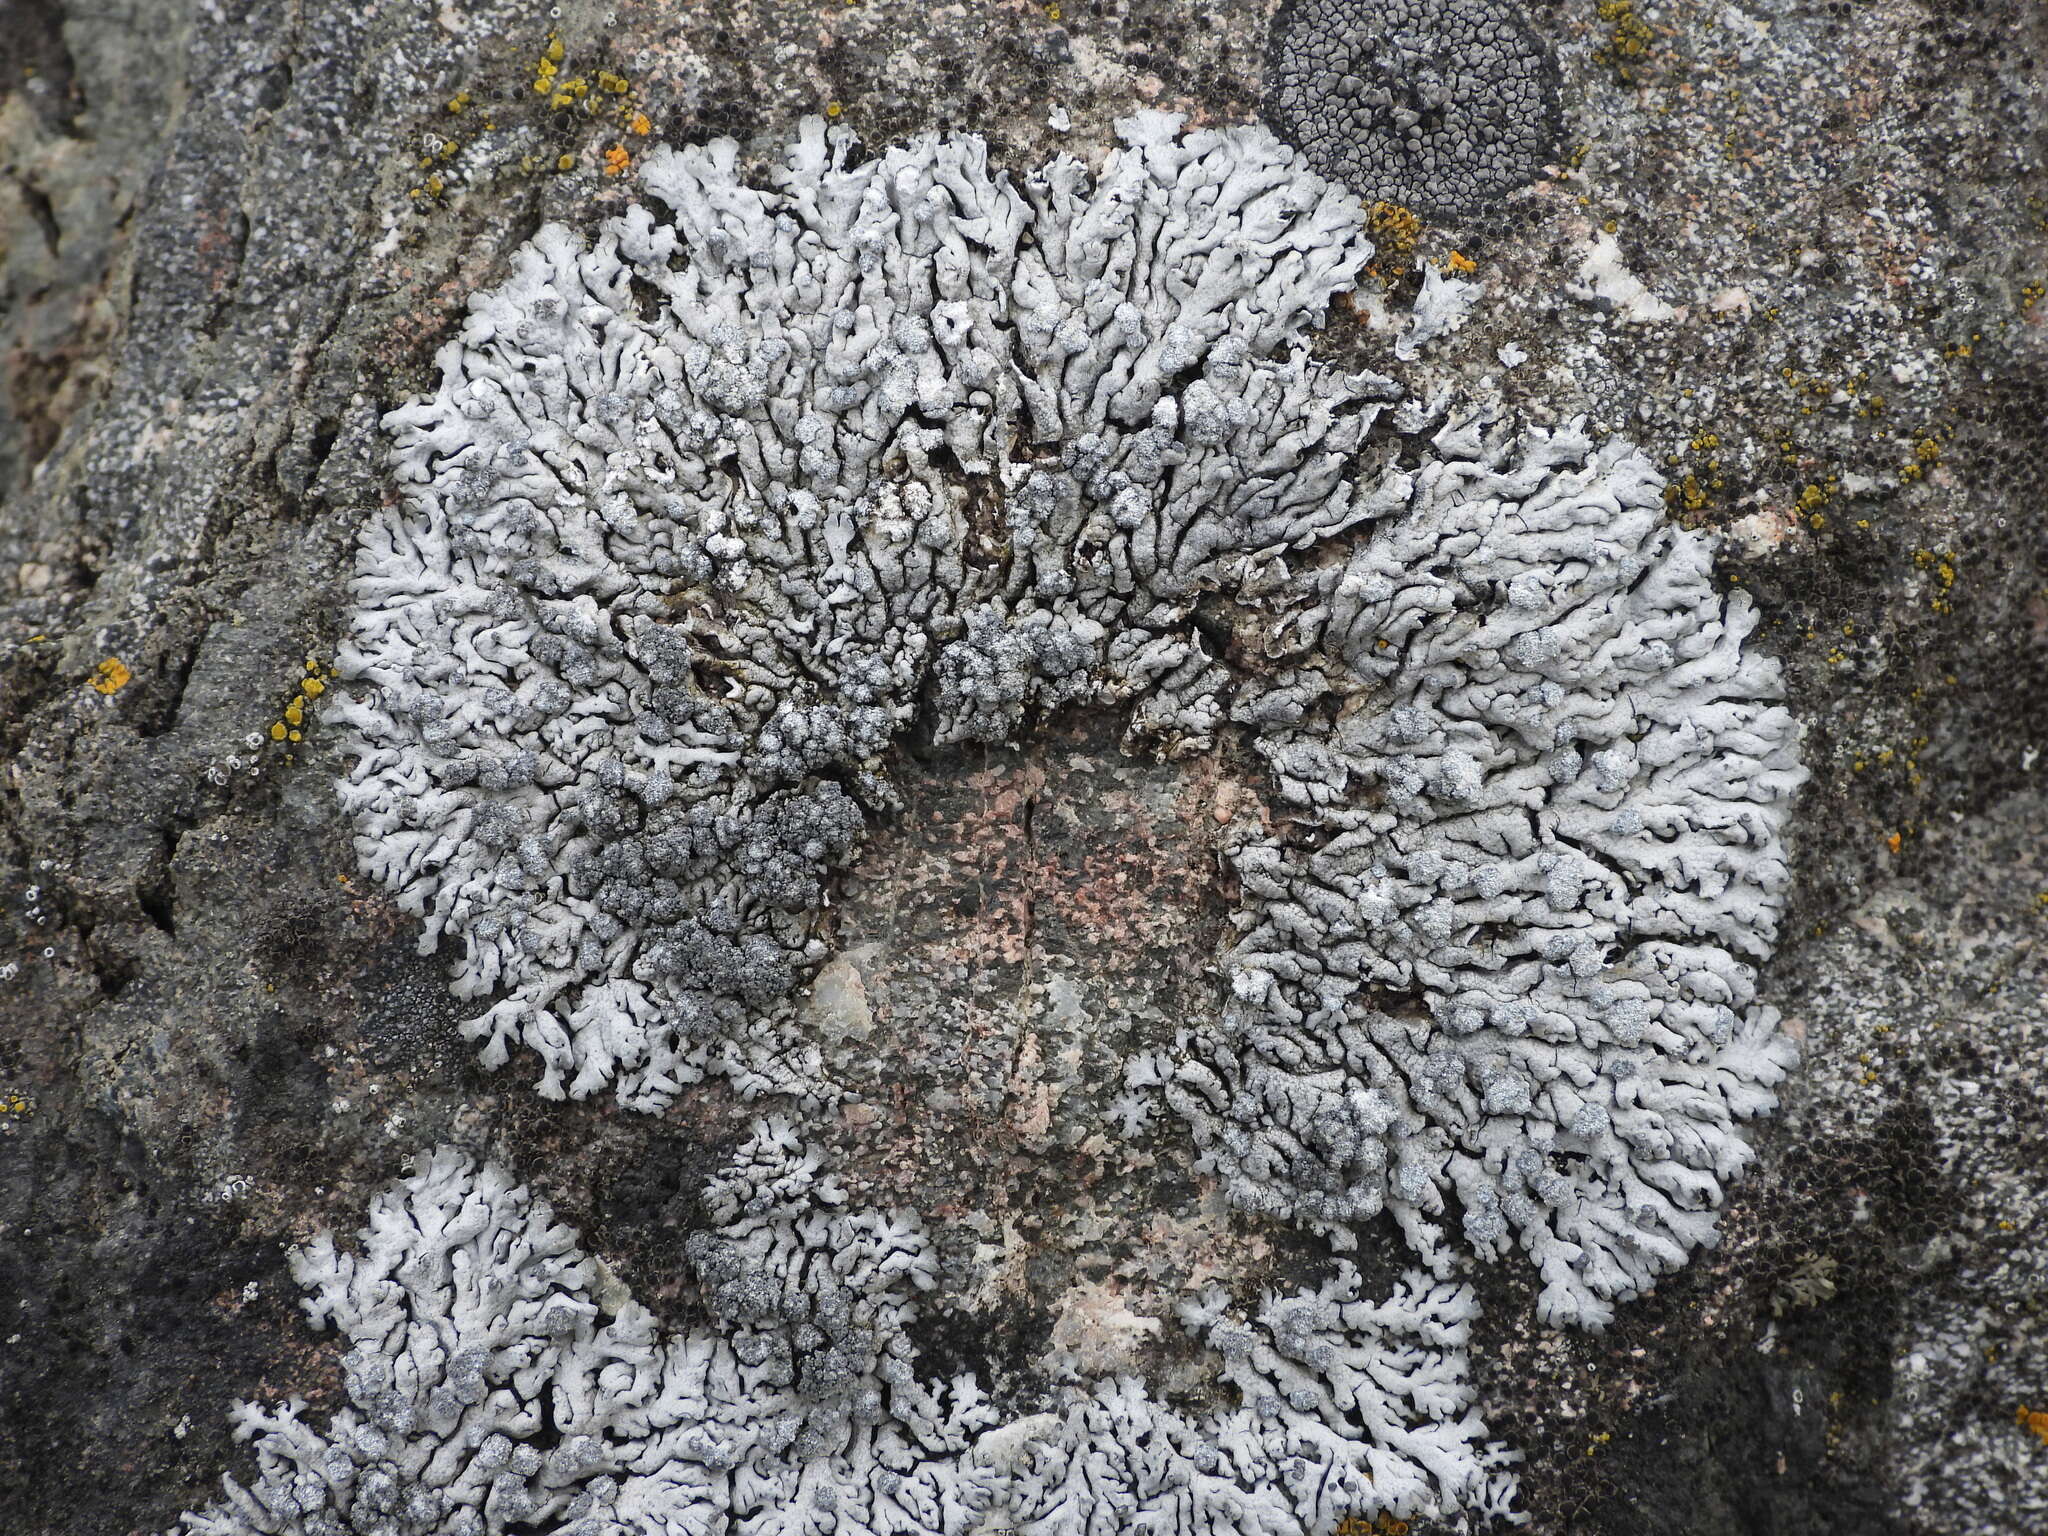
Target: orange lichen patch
[(1460, 263), (1893, 842), (639, 124), (1394, 229), (1382, 1524), (314, 683), (2035, 1422), (109, 677), (616, 160)]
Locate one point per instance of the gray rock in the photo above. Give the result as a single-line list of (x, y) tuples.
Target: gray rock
[(1786, 250)]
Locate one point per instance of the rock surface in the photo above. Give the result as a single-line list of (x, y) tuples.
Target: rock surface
[(1794, 250)]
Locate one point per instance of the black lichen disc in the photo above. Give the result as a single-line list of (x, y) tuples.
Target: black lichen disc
[(1443, 106)]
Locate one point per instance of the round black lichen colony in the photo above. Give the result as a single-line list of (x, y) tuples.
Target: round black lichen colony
[(1442, 106)]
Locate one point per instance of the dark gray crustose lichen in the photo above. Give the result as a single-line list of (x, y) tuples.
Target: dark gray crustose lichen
[(1443, 106)]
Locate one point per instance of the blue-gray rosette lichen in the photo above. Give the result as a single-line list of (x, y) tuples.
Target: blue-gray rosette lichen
[(499, 1380), (710, 510), (706, 512)]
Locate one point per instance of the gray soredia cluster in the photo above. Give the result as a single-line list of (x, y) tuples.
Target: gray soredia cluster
[(1442, 106)]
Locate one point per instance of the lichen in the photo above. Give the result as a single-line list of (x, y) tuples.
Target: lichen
[(1443, 106), (706, 514), (703, 515), (109, 677), (498, 1379), (1507, 964), (1810, 1283)]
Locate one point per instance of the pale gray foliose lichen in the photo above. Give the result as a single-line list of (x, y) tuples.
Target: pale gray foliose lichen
[(705, 514), (1442, 106), (499, 1381), (1509, 963)]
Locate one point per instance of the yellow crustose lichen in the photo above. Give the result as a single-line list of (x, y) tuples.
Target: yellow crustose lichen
[(549, 65), (290, 726), (109, 677)]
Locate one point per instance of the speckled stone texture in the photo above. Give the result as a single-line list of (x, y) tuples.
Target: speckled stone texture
[(1795, 250)]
